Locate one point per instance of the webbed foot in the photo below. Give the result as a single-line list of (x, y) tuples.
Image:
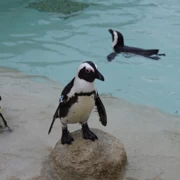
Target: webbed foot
[(66, 137), (87, 133)]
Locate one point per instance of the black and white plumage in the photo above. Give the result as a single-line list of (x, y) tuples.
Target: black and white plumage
[(78, 98), (3, 119), (119, 47)]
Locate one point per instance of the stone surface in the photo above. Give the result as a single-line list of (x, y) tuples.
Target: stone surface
[(61, 6), (23, 152), (104, 159)]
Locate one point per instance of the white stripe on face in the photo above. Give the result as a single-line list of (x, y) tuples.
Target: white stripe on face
[(87, 66), (115, 38)]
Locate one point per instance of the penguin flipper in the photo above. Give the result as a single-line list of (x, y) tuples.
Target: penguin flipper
[(62, 100), (101, 110), (54, 118), (5, 122), (111, 56)]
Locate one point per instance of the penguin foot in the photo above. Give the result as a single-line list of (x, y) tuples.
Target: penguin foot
[(87, 133), (66, 137), (10, 129), (7, 127), (154, 57)]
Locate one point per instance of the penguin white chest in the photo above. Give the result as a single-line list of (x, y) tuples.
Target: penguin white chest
[(81, 110)]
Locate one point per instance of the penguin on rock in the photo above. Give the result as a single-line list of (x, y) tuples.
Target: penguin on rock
[(77, 100)]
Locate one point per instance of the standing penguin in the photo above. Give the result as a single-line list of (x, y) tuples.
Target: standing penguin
[(119, 47), (77, 100), (3, 119)]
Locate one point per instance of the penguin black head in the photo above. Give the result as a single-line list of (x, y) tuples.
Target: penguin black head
[(89, 72), (117, 38)]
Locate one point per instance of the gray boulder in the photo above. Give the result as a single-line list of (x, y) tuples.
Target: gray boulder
[(104, 159)]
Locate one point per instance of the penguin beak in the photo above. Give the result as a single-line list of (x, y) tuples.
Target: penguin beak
[(99, 76), (111, 31)]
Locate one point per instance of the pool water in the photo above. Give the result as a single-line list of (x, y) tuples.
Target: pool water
[(43, 43)]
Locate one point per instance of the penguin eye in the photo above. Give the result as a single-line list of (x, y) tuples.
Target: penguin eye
[(88, 71)]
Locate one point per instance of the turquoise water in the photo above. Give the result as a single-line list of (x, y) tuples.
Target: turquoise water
[(45, 44)]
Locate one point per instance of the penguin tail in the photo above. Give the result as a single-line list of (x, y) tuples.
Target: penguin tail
[(153, 51), (152, 54), (149, 52)]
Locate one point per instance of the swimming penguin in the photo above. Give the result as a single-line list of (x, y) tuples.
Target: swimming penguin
[(118, 46), (77, 100), (3, 119)]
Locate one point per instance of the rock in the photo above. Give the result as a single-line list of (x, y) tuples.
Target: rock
[(156, 178), (131, 178), (65, 7), (104, 159)]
